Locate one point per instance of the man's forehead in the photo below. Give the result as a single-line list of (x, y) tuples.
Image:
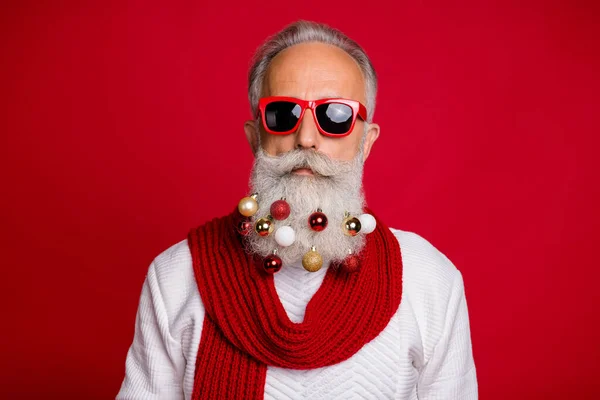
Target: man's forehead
[(321, 70), (315, 60), (320, 88), (311, 90)]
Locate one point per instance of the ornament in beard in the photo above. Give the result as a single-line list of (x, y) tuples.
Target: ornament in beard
[(335, 188)]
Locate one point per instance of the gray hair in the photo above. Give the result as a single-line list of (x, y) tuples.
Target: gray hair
[(307, 31)]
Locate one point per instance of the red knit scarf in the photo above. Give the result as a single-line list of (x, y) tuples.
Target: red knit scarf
[(246, 327)]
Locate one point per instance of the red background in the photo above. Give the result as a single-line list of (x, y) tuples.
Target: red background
[(122, 128)]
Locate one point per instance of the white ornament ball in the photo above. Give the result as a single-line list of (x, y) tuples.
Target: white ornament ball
[(285, 236), (367, 222)]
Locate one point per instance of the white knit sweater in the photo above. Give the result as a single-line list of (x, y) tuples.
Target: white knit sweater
[(424, 352)]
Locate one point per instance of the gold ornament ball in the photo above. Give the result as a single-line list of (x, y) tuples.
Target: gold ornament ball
[(351, 226), (248, 206), (312, 261), (264, 227)]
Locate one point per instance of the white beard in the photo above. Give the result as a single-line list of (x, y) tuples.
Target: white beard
[(335, 188)]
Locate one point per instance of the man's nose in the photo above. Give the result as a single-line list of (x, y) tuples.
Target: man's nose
[(307, 134)]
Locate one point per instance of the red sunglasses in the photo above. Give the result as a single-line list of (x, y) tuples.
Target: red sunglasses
[(335, 117)]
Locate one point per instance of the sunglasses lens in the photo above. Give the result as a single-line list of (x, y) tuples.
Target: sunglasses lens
[(335, 118), (282, 116)]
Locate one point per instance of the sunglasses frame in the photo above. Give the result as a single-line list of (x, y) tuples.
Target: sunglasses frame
[(358, 109)]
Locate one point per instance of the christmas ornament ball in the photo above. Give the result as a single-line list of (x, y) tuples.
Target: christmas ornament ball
[(351, 263), (285, 236), (280, 210), (367, 222), (317, 221), (312, 261), (244, 227), (264, 226), (272, 263), (248, 206), (351, 226)]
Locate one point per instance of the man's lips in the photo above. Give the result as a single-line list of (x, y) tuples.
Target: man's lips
[(303, 171)]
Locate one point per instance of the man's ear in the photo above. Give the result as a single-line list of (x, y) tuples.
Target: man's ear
[(252, 134), (372, 135)]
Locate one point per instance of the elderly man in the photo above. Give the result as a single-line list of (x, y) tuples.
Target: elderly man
[(302, 292)]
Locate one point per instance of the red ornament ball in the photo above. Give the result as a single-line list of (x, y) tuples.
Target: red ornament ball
[(272, 263), (352, 263), (244, 227), (280, 210), (317, 221)]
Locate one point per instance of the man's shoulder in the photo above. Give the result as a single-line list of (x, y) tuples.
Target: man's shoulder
[(174, 264), (427, 272), (174, 275), (177, 253)]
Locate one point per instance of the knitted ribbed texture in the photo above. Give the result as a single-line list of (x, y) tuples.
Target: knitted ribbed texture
[(225, 372), (246, 327)]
